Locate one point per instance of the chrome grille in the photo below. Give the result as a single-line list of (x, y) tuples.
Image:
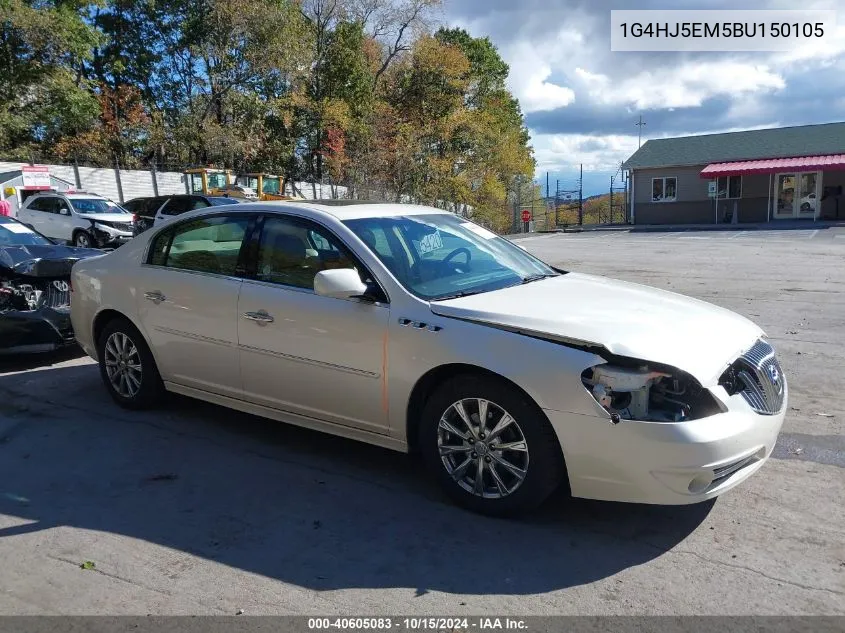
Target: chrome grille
[(764, 385), (56, 294), (122, 226)]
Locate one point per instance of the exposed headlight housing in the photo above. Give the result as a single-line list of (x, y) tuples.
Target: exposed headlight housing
[(642, 392)]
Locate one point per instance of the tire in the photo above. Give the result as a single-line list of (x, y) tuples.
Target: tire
[(139, 389), (83, 239), (542, 461)]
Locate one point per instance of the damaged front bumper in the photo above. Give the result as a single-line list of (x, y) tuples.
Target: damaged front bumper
[(671, 463), (32, 331), (35, 297)]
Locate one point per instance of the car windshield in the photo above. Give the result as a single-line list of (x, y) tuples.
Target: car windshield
[(96, 205), (13, 233), (442, 256)]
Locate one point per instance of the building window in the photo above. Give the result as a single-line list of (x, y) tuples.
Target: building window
[(664, 189), (729, 187)]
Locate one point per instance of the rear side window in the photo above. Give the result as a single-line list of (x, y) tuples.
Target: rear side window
[(209, 245), (45, 203)]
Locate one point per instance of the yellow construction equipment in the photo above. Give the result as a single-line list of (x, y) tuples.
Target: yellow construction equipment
[(267, 186), (208, 181)]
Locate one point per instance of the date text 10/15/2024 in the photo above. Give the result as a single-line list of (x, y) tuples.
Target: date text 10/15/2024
[(452, 625)]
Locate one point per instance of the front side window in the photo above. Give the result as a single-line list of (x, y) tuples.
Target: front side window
[(292, 252), (440, 256), (208, 245), (94, 205), (728, 187), (664, 189)]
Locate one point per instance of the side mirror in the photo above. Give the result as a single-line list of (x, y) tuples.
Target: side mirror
[(64, 211), (340, 283)]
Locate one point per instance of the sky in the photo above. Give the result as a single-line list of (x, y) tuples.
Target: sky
[(582, 102)]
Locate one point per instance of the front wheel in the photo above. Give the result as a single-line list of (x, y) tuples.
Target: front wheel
[(127, 366), (83, 239), (489, 446)]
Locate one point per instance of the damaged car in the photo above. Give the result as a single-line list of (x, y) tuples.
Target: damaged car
[(416, 329), (34, 290), (78, 218)]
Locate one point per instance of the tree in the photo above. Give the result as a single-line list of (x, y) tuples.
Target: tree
[(43, 95)]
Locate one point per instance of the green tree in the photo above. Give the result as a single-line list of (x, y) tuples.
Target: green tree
[(43, 95)]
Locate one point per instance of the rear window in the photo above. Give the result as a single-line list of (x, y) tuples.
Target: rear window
[(219, 201)]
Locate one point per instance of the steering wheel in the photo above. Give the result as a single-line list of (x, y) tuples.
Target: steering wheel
[(457, 252)]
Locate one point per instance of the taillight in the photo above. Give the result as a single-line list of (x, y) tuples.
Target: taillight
[(135, 218)]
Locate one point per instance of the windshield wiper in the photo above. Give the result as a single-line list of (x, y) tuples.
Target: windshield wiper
[(458, 295), (529, 278)]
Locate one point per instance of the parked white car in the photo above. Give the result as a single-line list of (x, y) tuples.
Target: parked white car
[(415, 329), (83, 219)]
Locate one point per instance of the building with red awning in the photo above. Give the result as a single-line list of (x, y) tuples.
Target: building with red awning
[(737, 177)]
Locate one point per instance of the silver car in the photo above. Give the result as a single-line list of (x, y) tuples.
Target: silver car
[(417, 330)]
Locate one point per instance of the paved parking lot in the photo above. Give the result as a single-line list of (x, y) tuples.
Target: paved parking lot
[(196, 509)]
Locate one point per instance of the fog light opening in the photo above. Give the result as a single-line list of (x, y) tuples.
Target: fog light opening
[(700, 483)]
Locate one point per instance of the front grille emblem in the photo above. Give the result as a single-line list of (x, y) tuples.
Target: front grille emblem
[(774, 374), (61, 286)]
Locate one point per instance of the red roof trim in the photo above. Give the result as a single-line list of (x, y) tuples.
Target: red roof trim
[(773, 165)]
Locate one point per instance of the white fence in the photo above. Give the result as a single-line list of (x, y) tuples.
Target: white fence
[(125, 184)]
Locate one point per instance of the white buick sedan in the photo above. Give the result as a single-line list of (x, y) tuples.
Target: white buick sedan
[(415, 329)]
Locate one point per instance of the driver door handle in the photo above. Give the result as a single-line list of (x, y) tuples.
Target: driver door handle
[(260, 317), (155, 296)]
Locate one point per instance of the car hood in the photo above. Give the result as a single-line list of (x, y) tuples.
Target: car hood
[(624, 318), (124, 218), (52, 260)]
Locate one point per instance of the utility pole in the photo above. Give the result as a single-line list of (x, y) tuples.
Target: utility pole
[(581, 196), (557, 214), (547, 184), (640, 125), (516, 209)]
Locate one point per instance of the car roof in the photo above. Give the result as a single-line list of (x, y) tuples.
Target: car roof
[(345, 209)]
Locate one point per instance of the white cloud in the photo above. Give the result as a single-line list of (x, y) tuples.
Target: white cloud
[(562, 152), (528, 80), (685, 85)]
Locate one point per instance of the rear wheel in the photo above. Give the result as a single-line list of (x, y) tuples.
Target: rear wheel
[(489, 446), (127, 366)]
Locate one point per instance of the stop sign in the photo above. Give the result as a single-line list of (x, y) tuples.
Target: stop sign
[(526, 215)]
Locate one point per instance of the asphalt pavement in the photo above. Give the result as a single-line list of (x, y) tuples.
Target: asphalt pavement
[(195, 509)]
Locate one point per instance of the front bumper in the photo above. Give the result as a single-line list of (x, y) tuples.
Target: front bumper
[(110, 237), (669, 463), (35, 331)]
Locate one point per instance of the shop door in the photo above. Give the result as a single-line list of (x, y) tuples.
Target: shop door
[(797, 195)]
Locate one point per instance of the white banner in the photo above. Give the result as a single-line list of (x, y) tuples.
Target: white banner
[(35, 177), (720, 31)]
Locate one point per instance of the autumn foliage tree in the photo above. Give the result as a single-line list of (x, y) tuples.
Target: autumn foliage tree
[(363, 95)]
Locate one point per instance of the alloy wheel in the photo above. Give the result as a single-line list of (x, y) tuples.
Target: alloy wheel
[(482, 448), (123, 365), (82, 240)]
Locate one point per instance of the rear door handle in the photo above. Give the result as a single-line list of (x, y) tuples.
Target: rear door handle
[(260, 317), (155, 296)]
